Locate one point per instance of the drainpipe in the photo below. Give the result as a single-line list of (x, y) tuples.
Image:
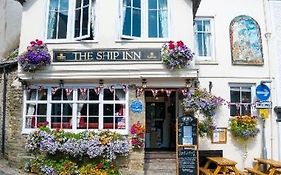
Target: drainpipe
[(4, 109), (277, 110)]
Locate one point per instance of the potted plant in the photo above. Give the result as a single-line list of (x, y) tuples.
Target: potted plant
[(35, 57), (176, 55)]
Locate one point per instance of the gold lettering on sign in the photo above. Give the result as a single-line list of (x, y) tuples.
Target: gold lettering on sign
[(151, 56), (61, 57)]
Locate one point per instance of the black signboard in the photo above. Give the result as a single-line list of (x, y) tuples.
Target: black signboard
[(98, 55), (187, 130), (187, 161)]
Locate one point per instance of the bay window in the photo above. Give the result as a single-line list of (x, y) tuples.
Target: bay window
[(70, 19), (76, 108), (145, 19)]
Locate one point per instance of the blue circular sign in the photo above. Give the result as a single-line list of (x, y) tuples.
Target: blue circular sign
[(136, 106), (262, 92)]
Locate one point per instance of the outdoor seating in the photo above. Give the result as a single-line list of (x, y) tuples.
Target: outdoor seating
[(223, 166), (272, 167)]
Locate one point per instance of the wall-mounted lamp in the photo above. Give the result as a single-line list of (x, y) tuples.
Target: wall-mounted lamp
[(61, 84), (144, 83), (265, 81), (24, 85), (188, 83), (196, 83), (101, 83), (210, 86)]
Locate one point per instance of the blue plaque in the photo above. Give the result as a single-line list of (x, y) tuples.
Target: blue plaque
[(136, 106)]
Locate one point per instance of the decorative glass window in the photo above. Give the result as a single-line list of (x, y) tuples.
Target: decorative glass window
[(204, 38), (145, 19), (76, 108), (70, 19), (241, 99)]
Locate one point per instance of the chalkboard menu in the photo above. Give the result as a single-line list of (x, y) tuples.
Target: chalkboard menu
[(187, 130), (187, 161)]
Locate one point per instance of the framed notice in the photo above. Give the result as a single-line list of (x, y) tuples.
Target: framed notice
[(220, 136)]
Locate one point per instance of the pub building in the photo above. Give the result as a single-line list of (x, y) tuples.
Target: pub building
[(106, 72)]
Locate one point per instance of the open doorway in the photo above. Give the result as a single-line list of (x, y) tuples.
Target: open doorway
[(160, 121)]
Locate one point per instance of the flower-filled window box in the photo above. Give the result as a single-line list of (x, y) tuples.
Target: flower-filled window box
[(244, 127), (176, 55), (36, 56)]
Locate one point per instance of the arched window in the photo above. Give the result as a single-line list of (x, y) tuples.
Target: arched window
[(245, 40)]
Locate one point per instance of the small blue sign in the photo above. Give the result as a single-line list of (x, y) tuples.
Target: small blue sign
[(136, 106), (262, 92)]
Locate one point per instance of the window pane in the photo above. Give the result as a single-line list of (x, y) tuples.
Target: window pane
[(108, 123), (152, 23), (127, 2), (207, 44), (42, 94), (86, 2), (119, 94), (234, 96), (199, 25), (108, 109), (163, 24), (119, 110), (206, 26), (30, 109), (233, 110), (82, 94), (85, 21), (56, 109), (66, 123), (63, 5), (55, 122), (162, 4), (93, 123), (82, 109), (93, 95), (52, 24), (127, 22), (108, 95), (137, 3), (57, 95), (41, 121), (77, 22), (82, 122), (93, 109), (246, 97), (200, 37), (42, 109), (136, 22), (120, 123), (67, 109), (78, 3), (152, 4), (62, 30), (31, 95)]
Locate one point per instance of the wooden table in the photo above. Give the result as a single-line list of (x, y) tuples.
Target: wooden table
[(272, 167), (223, 166)]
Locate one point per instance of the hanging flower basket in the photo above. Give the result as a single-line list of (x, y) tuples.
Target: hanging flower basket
[(176, 55), (36, 56), (244, 127)]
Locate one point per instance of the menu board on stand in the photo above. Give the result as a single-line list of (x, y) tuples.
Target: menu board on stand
[(187, 145)]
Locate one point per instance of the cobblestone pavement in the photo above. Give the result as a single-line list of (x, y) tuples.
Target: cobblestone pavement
[(6, 169)]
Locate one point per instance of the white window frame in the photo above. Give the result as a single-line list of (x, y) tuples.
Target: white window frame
[(210, 58), (144, 23), (70, 35), (241, 86), (75, 103)]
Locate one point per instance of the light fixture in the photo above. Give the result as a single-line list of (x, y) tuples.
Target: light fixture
[(24, 85), (61, 84), (101, 83), (210, 86), (196, 83), (144, 83), (188, 83)]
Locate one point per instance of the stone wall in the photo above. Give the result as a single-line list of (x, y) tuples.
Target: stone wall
[(14, 140)]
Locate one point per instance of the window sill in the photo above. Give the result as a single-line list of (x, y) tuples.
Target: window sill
[(142, 40), (206, 62), (70, 42)]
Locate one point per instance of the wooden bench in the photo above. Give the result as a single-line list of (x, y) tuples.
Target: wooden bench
[(205, 171), (253, 171)]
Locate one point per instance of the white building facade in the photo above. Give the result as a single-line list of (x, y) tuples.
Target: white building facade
[(106, 56)]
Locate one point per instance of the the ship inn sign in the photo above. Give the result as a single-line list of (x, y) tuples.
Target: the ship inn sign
[(106, 55)]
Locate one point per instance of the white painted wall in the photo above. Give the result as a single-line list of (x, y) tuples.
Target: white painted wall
[(224, 73), (221, 74), (10, 25)]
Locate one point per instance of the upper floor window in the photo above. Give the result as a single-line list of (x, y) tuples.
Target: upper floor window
[(204, 38), (70, 19), (145, 19), (241, 99)]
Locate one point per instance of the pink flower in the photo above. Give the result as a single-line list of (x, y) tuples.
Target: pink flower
[(180, 43), (171, 45)]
